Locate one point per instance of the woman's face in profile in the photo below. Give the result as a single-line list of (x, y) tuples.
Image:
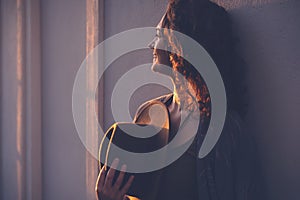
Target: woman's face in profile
[(160, 57)]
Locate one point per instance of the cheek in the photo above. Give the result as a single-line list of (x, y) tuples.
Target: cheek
[(163, 57), (160, 44)]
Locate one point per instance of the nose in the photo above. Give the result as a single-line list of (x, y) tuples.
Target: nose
[(152, 44)]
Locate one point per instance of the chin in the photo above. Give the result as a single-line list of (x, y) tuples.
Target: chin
[(155, 67)]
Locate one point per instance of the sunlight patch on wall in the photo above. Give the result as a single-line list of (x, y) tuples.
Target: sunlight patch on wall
[(91, 172), (20, 99)]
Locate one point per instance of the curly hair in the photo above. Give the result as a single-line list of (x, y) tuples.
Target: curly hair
[(210, 25)]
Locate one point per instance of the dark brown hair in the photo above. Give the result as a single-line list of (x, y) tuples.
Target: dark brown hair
[(210, 25)]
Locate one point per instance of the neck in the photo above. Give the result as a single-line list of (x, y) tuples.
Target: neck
[(176, 98)]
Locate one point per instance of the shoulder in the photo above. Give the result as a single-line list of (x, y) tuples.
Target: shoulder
[(163, 99)]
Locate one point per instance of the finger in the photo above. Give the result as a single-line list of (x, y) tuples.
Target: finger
[(127, 185), (100, 179), (119, 181), (111, 173)]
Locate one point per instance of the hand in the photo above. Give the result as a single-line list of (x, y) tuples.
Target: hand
[(104, 188)]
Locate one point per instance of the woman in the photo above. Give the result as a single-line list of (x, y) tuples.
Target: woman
[(229, 171)]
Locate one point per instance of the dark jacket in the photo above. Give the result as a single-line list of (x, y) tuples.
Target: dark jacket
[(231, 170)]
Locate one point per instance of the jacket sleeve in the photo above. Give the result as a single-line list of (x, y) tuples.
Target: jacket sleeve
[(237, 168), (247, 174), (248, 177)]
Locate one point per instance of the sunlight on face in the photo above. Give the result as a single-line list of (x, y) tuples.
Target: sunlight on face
[(160, 57)]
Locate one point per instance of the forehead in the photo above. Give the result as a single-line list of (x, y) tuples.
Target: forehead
[(159, 25)]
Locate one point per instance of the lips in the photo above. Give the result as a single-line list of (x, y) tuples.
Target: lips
[(155, 56)]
